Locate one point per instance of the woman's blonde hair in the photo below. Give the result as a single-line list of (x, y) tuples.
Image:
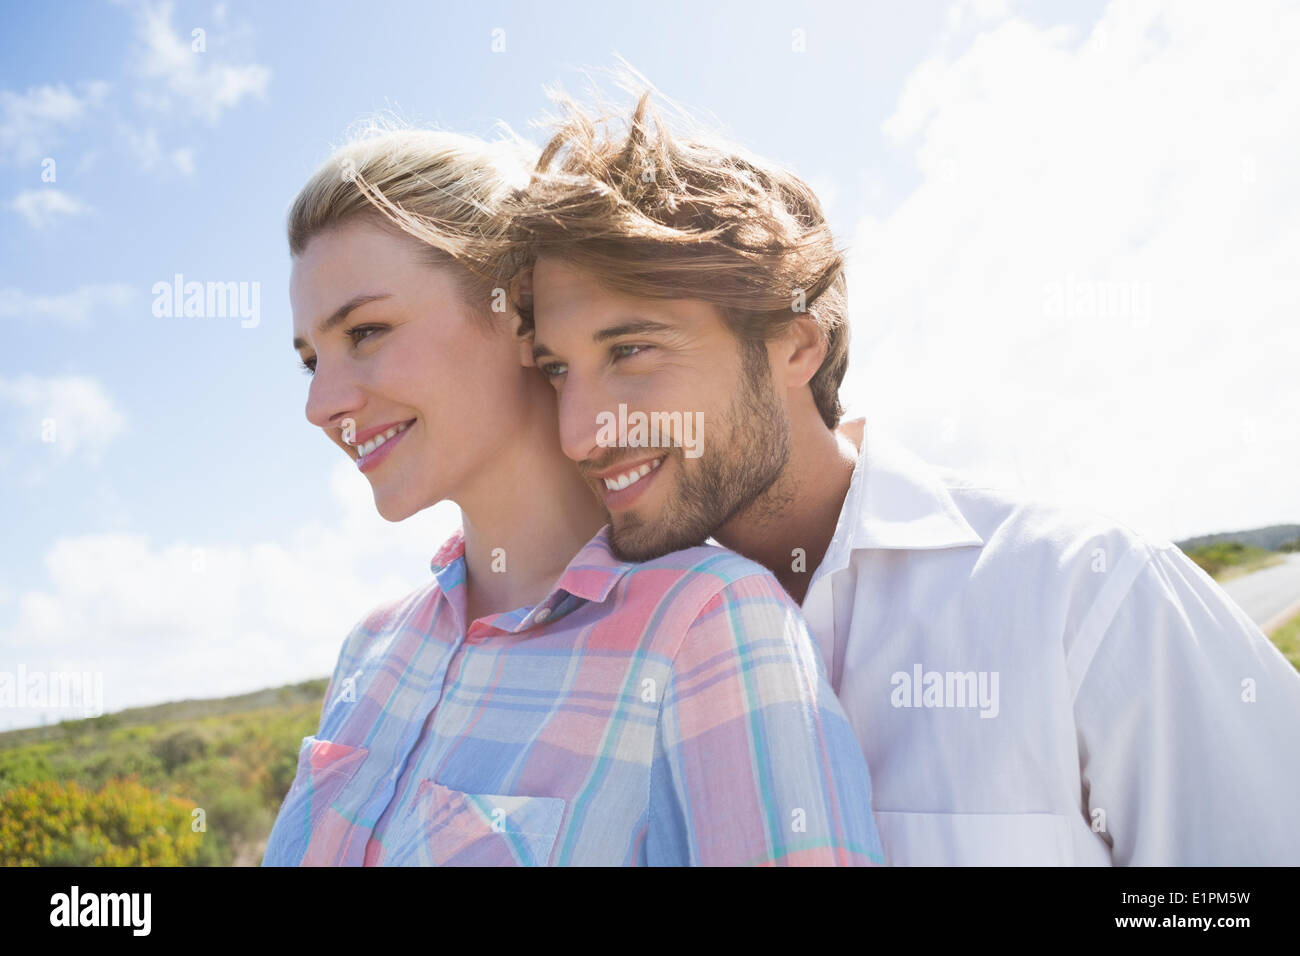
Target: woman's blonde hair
[(441, 188)]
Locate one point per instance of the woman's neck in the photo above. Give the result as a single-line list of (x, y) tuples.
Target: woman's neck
[(525, 520)]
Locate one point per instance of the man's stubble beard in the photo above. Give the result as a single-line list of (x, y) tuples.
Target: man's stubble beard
[(739, 474)]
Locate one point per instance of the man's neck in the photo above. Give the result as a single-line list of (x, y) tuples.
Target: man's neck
[(789, 527)]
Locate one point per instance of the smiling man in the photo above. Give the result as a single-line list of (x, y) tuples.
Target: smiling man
[(1030, 685), (651, 355)]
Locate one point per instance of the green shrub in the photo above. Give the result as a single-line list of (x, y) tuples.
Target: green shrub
[(1214, 559), (236, 765), (99, 768), (179, 748), (22, 767), (124, 823)]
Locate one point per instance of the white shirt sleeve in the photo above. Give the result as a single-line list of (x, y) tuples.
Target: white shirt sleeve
[(1188, 722)]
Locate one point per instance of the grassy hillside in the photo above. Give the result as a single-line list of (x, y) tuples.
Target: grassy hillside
[(1231, 554), (1275, 537), (1287, 639), (1226, 560), (123, 788)]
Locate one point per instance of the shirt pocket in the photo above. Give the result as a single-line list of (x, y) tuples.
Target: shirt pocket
[(453, 828), (310, 830), (974, 839)]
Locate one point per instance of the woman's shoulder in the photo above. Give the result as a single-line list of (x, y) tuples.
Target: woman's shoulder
[(708, 558), (734, 609), (713, 568), (383, 622)]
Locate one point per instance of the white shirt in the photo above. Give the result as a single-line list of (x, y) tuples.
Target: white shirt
[(1086, 696)]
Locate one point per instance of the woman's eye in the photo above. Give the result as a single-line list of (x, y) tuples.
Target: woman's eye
[(356, 335), (552, 369)]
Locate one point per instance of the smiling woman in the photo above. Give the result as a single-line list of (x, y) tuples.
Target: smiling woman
[(539, 701)]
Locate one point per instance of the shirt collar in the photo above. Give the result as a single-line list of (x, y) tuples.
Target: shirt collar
[(895, 501), (594, 570), (590, 576)]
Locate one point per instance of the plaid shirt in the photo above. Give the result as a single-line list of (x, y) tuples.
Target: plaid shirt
[(673, 712)]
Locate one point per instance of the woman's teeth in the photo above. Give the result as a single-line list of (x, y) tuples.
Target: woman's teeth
[(368, 447), (622, 481)]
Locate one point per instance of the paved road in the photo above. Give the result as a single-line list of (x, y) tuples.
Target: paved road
[(1266, 594)]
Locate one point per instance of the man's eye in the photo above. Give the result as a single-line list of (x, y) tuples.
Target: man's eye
[(616, 349)]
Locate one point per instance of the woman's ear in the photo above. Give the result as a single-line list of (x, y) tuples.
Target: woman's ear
[(524, 340), (521, 289)]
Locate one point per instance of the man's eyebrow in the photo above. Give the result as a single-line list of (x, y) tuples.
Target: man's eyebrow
[(630, 327), (341, 313)]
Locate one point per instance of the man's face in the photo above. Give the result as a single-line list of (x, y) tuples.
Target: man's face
[(715, 433)]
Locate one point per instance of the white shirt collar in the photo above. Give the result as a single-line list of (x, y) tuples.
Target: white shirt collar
[(895, 501)]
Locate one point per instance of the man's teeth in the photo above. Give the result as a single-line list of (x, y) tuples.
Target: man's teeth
[(622, 481), (368, 447)]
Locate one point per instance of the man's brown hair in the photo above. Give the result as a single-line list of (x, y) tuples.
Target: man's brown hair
[(653, 215)]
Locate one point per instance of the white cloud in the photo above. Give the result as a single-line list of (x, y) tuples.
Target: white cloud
[(1093, 289), (71, 415), (75, 308), (964, 12), (185, 619), (201, 82), (149, 153), (183, 160), (40, 207), (30, 122)]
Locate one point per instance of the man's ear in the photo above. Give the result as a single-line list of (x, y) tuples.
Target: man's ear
[(803, 350)]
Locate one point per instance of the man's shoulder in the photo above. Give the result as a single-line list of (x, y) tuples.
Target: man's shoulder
[(1047, 579), (1044, 568), (1035, 531)]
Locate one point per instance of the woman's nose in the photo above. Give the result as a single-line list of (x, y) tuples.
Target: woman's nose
[(332, 397)]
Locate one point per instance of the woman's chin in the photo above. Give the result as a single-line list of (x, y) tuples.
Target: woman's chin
[(393, 509)]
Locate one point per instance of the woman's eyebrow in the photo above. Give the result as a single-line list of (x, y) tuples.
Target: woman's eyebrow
[(341, 313)]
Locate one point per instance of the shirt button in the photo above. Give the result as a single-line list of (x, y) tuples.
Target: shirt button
[(542, 614)]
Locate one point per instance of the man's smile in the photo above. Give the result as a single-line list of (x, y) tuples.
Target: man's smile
[(626, 482)]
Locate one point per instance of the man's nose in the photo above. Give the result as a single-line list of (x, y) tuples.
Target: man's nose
[(580, 403)]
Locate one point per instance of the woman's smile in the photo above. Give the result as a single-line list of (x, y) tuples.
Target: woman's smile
[(375, 450)]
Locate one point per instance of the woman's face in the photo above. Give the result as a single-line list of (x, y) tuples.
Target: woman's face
[(393, 343)]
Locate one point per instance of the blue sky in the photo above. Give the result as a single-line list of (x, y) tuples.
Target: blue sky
[(998, 171)]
